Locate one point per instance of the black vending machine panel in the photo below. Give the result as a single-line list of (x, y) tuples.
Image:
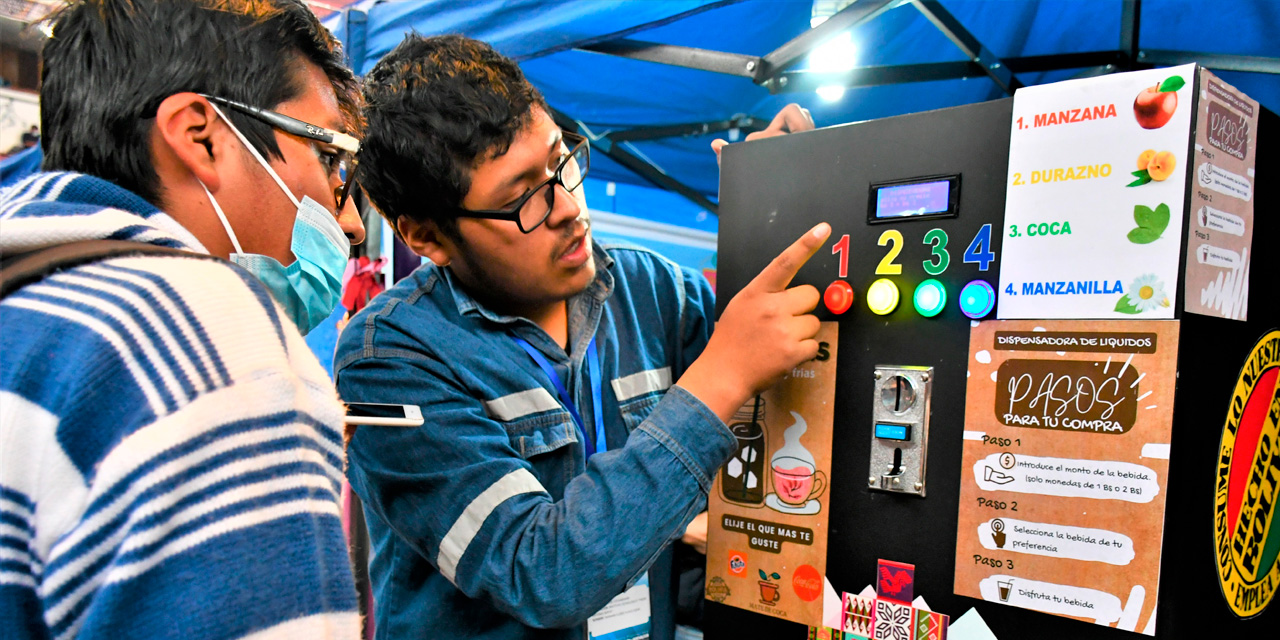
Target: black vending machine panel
[(919, 197)]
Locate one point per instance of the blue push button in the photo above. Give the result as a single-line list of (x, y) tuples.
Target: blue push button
[(893, 431)]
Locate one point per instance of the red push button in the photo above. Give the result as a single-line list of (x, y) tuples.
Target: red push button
[(838, 297)]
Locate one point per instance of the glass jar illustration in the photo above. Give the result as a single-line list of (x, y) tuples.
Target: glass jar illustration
[(742, 478)]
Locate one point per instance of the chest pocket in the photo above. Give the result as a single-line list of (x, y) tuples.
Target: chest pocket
[(639, 393), (542, 433), (534, 436)]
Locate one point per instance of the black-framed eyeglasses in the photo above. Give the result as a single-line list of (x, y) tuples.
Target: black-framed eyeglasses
[(532, 209), (342, 163)]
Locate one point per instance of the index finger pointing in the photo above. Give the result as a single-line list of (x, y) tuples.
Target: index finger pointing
[(779, 273)]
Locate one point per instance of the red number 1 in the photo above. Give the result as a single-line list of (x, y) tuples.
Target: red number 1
[(842, 248)]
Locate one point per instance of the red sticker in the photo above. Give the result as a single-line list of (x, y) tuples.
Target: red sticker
[(807, 583), (896, 581), (838, 297)]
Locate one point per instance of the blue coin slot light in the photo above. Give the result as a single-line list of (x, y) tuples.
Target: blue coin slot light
[(886, 431)]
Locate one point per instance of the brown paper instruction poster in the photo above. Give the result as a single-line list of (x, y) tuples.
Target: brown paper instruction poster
[(769, 506), (1066, 460), (1220, 242)]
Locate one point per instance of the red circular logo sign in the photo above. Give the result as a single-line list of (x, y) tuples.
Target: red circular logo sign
[(807, 583), (1246, 530)]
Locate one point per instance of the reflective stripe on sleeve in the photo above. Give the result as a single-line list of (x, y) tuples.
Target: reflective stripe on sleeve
[(638, 384), (455, 542)]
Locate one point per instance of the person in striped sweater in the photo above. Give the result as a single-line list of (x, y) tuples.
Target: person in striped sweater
[(170, 450)]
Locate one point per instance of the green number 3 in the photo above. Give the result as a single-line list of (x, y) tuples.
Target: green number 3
[(940, 260)]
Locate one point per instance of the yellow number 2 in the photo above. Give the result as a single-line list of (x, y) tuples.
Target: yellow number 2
[(887, 266)]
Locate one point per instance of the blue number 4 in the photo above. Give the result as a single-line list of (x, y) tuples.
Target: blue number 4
[(979, 250)]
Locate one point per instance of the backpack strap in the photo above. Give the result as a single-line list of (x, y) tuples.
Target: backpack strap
[(19, 270)]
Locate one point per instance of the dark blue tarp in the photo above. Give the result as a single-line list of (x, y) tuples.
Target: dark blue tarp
[(607, 92)]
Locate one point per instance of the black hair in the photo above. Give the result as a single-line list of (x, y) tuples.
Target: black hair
[(434, 108), (110, 63)]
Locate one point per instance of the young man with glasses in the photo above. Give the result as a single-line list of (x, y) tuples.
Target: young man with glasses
[(171, 453), (574, 395)]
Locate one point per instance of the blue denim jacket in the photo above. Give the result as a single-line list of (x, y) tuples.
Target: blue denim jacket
[(486, 521)]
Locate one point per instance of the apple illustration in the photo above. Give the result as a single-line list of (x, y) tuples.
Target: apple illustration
[(1153, 107)]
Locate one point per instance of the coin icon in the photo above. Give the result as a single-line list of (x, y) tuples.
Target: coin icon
[(1007, 460)]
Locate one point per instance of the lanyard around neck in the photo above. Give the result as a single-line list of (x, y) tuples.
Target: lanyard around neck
[(593, 372)]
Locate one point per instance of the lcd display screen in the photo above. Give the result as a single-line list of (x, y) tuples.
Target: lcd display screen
[(924, 197)]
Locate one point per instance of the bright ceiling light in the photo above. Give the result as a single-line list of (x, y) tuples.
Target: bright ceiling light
[(834, 55), (831, 92)]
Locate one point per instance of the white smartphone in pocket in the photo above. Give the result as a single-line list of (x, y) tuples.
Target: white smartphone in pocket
[(383, 415)]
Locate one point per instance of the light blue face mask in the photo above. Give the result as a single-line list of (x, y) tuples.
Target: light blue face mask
[(309, 289)]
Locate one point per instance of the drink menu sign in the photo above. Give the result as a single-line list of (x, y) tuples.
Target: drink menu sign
[(1095, 196), (1065, 464), (1221, 235), (769, 506)]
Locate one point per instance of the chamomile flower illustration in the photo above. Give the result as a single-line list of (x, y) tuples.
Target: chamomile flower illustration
[(1145, 293)]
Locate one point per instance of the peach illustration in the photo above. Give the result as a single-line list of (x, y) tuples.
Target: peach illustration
[(1145, 158), (1161, 165)]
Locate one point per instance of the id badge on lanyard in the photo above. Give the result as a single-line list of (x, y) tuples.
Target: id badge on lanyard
[(626, 617)]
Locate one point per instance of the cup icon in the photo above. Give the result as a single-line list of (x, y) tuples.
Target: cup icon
[(769, 593), (1005, 588), (796, 481)]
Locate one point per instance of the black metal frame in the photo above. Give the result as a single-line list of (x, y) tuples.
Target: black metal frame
[(615, 150), (773, 70)]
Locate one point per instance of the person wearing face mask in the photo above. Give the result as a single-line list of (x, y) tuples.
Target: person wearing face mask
[(170, 450), (310, 287)]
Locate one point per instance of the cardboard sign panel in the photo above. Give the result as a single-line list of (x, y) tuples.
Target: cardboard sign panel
[(1220, 237), (1066, 457), (769, 506)]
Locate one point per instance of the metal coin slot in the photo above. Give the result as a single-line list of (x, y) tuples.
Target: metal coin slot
[(898, 394), (900, 428)]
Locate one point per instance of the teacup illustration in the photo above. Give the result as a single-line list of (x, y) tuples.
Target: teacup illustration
[(796, 481)]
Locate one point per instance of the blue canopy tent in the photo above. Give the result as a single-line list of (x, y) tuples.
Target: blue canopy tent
[(653, 82)]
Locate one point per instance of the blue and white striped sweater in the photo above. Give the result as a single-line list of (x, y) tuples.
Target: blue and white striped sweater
[(170, 450)]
